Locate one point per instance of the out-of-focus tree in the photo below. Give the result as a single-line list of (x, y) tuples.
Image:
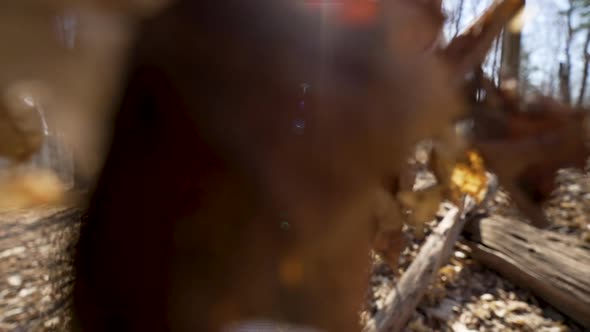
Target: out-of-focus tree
[(457, 17), (554, 35), (583, 8), (496, 59), (511, 55), (526, 70), (586, 57), (565, 67), (577, 16)]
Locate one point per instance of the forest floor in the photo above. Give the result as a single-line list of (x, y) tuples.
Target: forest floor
[(469, 297), (36, 272), (36, 265)]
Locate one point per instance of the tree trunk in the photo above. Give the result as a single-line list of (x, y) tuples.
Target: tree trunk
[(584, 71), (510, 67), (495, 73), (565, 68), (458, 17), (564, 83)]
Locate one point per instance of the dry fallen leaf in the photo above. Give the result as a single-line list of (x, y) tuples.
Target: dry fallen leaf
[(417, 325)]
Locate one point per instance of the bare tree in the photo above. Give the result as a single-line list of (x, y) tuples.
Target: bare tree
[(565, 68), (495, 58), (457, 18), (585, 70), (511, 50)]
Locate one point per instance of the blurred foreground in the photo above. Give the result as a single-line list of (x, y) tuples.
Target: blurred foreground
[(237, 161)]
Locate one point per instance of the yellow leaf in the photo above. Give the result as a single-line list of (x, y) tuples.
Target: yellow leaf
[(469, 178)]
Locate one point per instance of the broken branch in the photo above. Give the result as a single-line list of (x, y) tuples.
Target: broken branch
[(401, 302)]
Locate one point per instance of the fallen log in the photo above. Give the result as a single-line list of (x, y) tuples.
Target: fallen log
[(407, 294), (555, 267)]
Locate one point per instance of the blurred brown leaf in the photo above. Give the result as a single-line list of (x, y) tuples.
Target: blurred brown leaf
[(199, 126), (526, 147), (21, 126)]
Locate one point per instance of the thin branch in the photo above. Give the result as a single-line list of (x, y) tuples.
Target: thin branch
[(495, 73), (458, 17), (401, 302)]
